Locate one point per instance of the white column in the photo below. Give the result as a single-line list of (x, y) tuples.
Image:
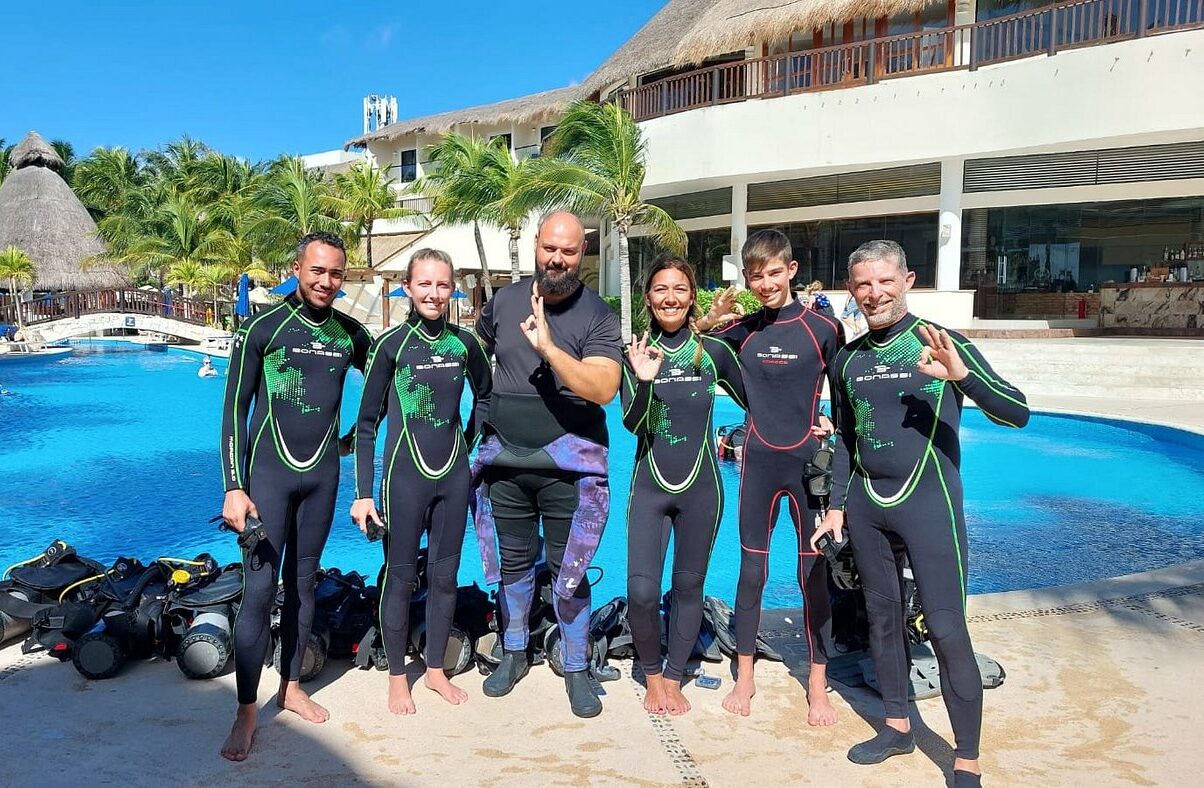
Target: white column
[(739, 221), (964, 13), (949, 233)]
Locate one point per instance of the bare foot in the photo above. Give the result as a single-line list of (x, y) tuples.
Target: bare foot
[(739, 700), (967, 765), (435, 679), (655, 700), (820, 711), (238, 744), (675, 702), (400, 700), (292, 698)]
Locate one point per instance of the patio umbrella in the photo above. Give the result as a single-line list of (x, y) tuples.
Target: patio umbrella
[(289, 285), (400, 292), (459, 294), (242, 305)]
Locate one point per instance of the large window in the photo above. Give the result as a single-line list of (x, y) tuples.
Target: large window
[(705, 250), (1074, 247), (822, 248)]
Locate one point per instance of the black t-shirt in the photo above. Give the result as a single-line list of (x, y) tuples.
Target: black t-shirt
[(524, 386)]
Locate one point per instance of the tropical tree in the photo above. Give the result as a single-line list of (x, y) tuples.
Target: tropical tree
[(595, 167), (66, 152), (177, 232), (293, 202), (5, 149), (361, 196), (188, 275), (214, 277), (463, 185), (17, 267)]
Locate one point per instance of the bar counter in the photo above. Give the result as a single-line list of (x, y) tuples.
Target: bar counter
[(1159, 308)]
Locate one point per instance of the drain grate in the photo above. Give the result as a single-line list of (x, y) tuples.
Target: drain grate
[(685, 764)]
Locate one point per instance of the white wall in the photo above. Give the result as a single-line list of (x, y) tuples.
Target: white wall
[(458, 241), (330, 157), (1133, 92)]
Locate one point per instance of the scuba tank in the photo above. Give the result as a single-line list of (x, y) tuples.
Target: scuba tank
[(200, 617)]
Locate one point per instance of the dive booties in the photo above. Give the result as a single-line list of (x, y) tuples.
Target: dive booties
[(887, 743), (512, 667), (582, 699)]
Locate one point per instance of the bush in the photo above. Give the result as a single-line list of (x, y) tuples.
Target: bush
[(639, 321)]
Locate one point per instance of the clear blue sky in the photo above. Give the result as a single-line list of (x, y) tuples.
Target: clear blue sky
[(258, 78)]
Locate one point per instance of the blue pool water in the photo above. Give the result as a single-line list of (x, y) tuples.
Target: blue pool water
[(115, 450)]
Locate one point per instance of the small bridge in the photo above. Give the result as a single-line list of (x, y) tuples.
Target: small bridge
[(77, 312)]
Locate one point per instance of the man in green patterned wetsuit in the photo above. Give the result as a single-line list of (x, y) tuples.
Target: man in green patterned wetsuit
[(280, 435), (897, 397)]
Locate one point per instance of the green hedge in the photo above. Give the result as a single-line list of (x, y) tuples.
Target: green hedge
[(639, 320)]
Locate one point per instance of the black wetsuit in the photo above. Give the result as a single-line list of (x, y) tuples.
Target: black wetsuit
[(416, 376), (290, 361), (529, 410), (675, 486), (784, 355), (896, 474)]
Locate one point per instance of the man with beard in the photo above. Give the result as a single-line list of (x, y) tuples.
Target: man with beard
[(897, 398), (543, 456)]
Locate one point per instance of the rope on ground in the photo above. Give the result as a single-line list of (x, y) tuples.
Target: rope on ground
[(667, 735), (1129, 603)]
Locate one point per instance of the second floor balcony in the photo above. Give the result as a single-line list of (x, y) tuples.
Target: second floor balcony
[(1038, 32)]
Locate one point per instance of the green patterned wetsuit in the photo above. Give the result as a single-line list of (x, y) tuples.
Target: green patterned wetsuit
[(279, 433), (416, 375), (896, 474)]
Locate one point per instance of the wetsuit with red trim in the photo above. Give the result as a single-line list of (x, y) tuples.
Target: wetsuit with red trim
[(896, 474), (784, 355)]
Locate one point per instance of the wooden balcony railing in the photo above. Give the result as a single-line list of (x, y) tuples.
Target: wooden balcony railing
[(1043, 31), (77, 303)]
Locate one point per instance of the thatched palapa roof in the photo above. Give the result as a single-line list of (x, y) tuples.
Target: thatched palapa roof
[(653, 47), (687, 32), (729, 25), (40, 215), (517, 110)]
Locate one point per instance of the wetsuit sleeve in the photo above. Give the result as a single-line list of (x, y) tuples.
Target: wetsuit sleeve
[(242, 382), (361, 344), (636, 398), (734, 334), (727, 369), (845, 421), (373, 402), (486, 328), (999, 401), (480, 378)]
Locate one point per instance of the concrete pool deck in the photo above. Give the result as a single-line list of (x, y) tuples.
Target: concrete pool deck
[(1103, 686)]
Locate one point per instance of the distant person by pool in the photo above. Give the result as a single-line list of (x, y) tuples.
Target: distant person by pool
[(207, 369)]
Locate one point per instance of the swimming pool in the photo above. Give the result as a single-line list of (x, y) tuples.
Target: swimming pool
[(115, 450)]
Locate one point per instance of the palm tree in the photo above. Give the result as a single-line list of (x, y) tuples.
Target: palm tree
[(595, 167), (178, 232), (213, 277), (361, 196), (66, 152), (4, 151), (293, 203), (17, 267), (468, 185), (186, 274), (107, 181)]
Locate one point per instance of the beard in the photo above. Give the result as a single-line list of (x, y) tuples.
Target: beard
[(898, 308), (561, 282)]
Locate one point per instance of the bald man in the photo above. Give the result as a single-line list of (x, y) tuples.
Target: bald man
[(543, 456)]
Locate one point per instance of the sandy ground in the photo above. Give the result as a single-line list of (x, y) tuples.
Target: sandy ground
[(1101, 692), (1104, 687)]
